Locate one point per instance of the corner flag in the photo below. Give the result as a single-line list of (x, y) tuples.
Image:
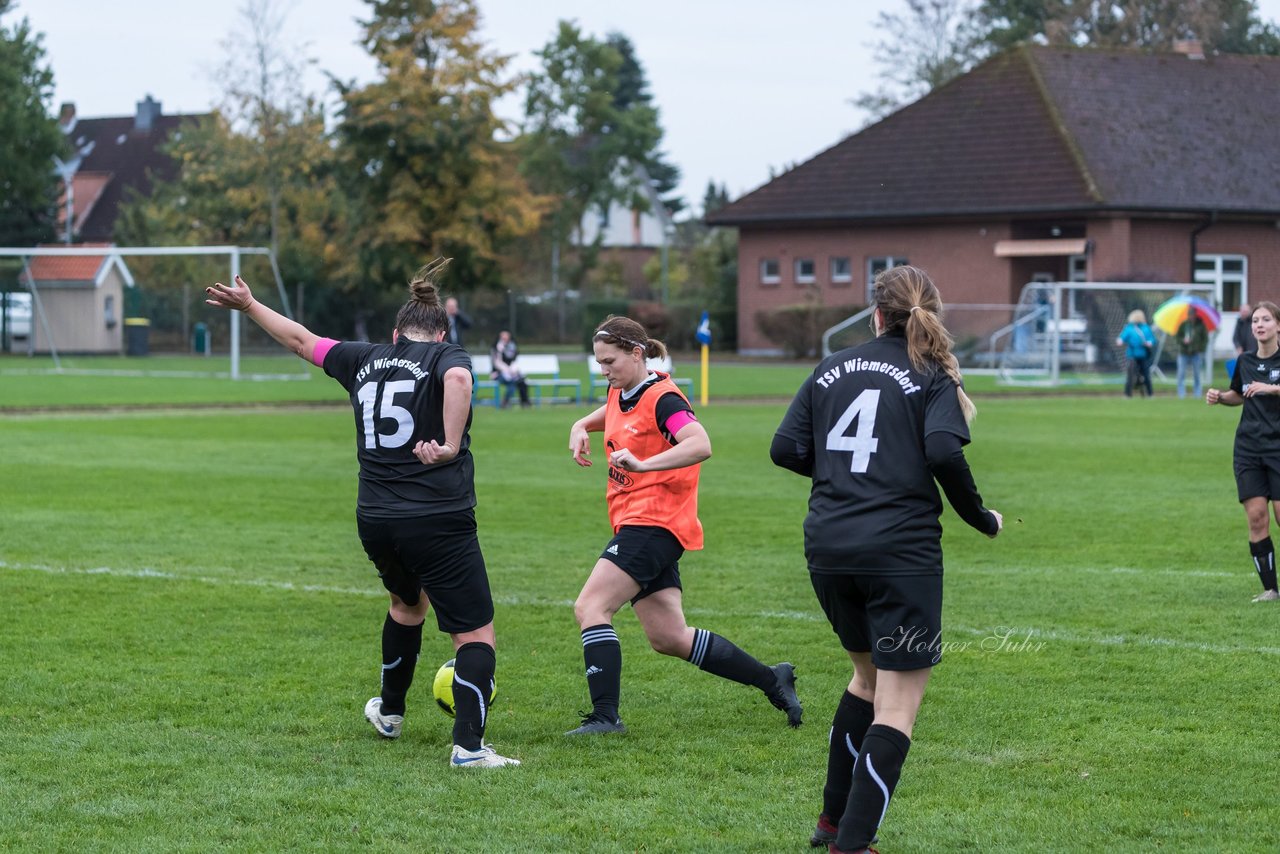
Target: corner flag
[(704, 338), (704, 330)]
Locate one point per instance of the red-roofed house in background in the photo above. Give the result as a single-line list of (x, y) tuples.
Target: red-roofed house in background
[(110, 156), (1049, 163), (81, 297)]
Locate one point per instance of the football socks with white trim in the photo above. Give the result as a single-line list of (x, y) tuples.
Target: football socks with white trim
[(1264, 561), (721, 657), (875, 776), (602, 655), (400, 647), (849, 727), (473, 668)]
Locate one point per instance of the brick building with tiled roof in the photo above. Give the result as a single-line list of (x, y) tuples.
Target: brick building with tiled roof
[(1051, 163), (111, 156)]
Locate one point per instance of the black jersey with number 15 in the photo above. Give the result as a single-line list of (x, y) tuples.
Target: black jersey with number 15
[(862, 418), (397, 393)]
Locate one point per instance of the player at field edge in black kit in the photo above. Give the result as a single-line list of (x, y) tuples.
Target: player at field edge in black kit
[(655, 448), (415, 508), (874, 427), (1255, 385)]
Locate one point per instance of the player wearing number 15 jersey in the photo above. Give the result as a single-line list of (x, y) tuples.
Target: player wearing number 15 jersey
[(416, 498), (874, 427)]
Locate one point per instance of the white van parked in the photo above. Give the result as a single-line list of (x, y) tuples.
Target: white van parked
[(17, 321)]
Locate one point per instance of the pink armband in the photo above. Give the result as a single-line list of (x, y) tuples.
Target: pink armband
[(323, 346), (679, 421)]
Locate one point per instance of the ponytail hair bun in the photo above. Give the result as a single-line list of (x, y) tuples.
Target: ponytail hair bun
[(423, 316), (423, 288)]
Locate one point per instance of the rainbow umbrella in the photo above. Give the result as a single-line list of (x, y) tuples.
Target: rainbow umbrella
[(1171, 314)]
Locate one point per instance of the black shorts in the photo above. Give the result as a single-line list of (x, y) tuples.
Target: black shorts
[(439, 554), (896, 618), (1257, 477), (650, 555)]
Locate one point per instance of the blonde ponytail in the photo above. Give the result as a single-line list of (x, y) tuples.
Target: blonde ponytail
[(911, 306)]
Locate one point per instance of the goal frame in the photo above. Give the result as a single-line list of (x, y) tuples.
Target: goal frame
[(1029, 310), (233, 253)]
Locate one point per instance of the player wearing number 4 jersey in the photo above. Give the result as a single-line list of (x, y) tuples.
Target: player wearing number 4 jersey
[(415, 507), (874, 427)]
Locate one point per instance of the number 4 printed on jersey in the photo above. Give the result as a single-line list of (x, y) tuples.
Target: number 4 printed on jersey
[(862, 443)]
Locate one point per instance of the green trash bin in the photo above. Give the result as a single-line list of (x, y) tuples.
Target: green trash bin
[(200, 339), (137, 336)]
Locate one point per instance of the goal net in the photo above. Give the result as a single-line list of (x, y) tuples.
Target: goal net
[(1057, 333), (145, 305), (1065, 332)]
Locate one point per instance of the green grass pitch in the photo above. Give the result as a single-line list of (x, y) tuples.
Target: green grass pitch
[(190, 632)]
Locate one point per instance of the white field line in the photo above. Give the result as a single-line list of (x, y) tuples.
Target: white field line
[(1115, 570), (137, 373), (995, 639)]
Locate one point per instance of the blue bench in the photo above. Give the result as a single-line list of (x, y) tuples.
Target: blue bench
[(541, 375)]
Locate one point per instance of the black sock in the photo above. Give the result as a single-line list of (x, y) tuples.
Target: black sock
[(853, 716), (473, 667), (400, 647), (722, 658), (603, 656), (1264, 560), (875, 776)]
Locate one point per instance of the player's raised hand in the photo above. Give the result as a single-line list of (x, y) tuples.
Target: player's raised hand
[(236, 296)]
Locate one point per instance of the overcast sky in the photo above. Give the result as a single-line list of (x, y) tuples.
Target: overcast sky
[(743, 86)]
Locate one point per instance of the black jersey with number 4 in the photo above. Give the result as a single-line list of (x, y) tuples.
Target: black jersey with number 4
[(862, 419), (1259, 430), (397, 393)]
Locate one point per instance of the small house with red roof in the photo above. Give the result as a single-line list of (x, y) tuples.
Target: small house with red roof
[(1042, 163), (78, 301)]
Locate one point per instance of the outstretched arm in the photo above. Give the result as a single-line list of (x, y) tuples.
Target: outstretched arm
[(291, 334)]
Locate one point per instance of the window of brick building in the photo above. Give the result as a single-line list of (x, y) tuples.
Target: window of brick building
[(770, 271), (806, 271), (1230, 275), (841, 271)]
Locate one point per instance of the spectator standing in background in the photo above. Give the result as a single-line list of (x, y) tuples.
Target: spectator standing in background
[(459, 322), (1193, 338)]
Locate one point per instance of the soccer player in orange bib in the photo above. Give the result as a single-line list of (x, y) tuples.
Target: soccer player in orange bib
[(655, 448)]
